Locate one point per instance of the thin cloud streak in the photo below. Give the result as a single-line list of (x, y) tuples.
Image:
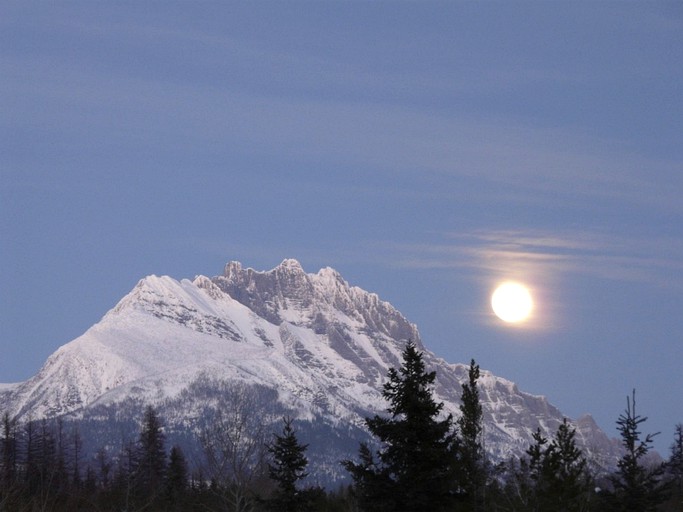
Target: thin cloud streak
[(509, 253), (534, 165), (222, 52)]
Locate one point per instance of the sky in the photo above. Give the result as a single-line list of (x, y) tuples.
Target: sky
[(425, 150)]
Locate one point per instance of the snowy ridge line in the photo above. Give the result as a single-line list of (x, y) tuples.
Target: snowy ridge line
[(324, 346)]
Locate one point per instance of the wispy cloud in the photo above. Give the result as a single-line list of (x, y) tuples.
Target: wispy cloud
[(545, 261), (268, 109), (509, 253)]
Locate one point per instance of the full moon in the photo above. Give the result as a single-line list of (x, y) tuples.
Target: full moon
[(512, 302)]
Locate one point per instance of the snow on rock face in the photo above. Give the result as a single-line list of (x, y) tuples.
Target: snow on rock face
[(288, 293), (323, 345)]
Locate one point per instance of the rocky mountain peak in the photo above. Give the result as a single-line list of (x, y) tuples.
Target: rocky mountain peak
[(323, 345), (288, 293), (290, 265), (232, 269), (270, 293)]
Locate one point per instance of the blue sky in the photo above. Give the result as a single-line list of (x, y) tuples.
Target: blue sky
[(426, 150)]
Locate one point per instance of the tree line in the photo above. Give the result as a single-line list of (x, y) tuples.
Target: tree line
[(419, 459)]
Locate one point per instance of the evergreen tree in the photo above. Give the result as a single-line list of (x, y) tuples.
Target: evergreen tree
[(176, 479), (39, 462), (9, 478), (471, 473), (288, 466), (8, 449), (559, 480), (572, 482), (61, 473), (122, 484), (373, 483), (414, 466), (675, 463), (150, 456), (532, 473), (76, 455), (514, 491), (637, 488), (104, 467)]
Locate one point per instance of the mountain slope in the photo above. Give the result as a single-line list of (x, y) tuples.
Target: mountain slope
[(324, 346)]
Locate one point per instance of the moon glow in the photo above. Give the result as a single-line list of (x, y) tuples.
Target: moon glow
[(512, 302)]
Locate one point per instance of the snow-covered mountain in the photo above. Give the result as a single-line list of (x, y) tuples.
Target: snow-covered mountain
[(323, 346)]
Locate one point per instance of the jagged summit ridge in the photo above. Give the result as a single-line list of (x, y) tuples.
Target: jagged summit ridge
[(287, 293), (323, 345), (286, 328)]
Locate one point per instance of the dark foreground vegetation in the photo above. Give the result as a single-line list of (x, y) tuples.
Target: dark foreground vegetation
[(420, 461)]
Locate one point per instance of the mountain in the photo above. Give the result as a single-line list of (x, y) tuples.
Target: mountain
[(316, 347)]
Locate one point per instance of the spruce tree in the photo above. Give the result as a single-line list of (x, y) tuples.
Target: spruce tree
[(287, 467), (637, 487), (8, 449), (176, 479), (572, 482), (675, 464), (104, 467), (536, 470), (413, 469), (559, 479), (471, 474), (150, 455), (76, 454), (9, 479), (40, 461)]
